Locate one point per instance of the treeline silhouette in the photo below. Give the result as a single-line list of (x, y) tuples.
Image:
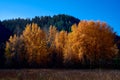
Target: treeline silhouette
[(85, 44), (61, 21)]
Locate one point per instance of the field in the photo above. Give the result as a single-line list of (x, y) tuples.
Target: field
[(53, 74)]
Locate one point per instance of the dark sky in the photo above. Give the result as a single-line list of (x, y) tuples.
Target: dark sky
[(103, 10)]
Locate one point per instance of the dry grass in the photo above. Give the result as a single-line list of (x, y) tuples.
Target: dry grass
[(50, 74)]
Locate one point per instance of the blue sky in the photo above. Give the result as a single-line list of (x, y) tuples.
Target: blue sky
[(103, 10)]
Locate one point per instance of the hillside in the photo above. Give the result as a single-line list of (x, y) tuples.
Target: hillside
[(16, 26), (4, 33), (58, 42), (62, 22)]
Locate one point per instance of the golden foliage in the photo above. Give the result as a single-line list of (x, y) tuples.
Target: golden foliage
[(87, 40), (14, 49), (60, 41), (51, 37), (36, 43), (94, 40)]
